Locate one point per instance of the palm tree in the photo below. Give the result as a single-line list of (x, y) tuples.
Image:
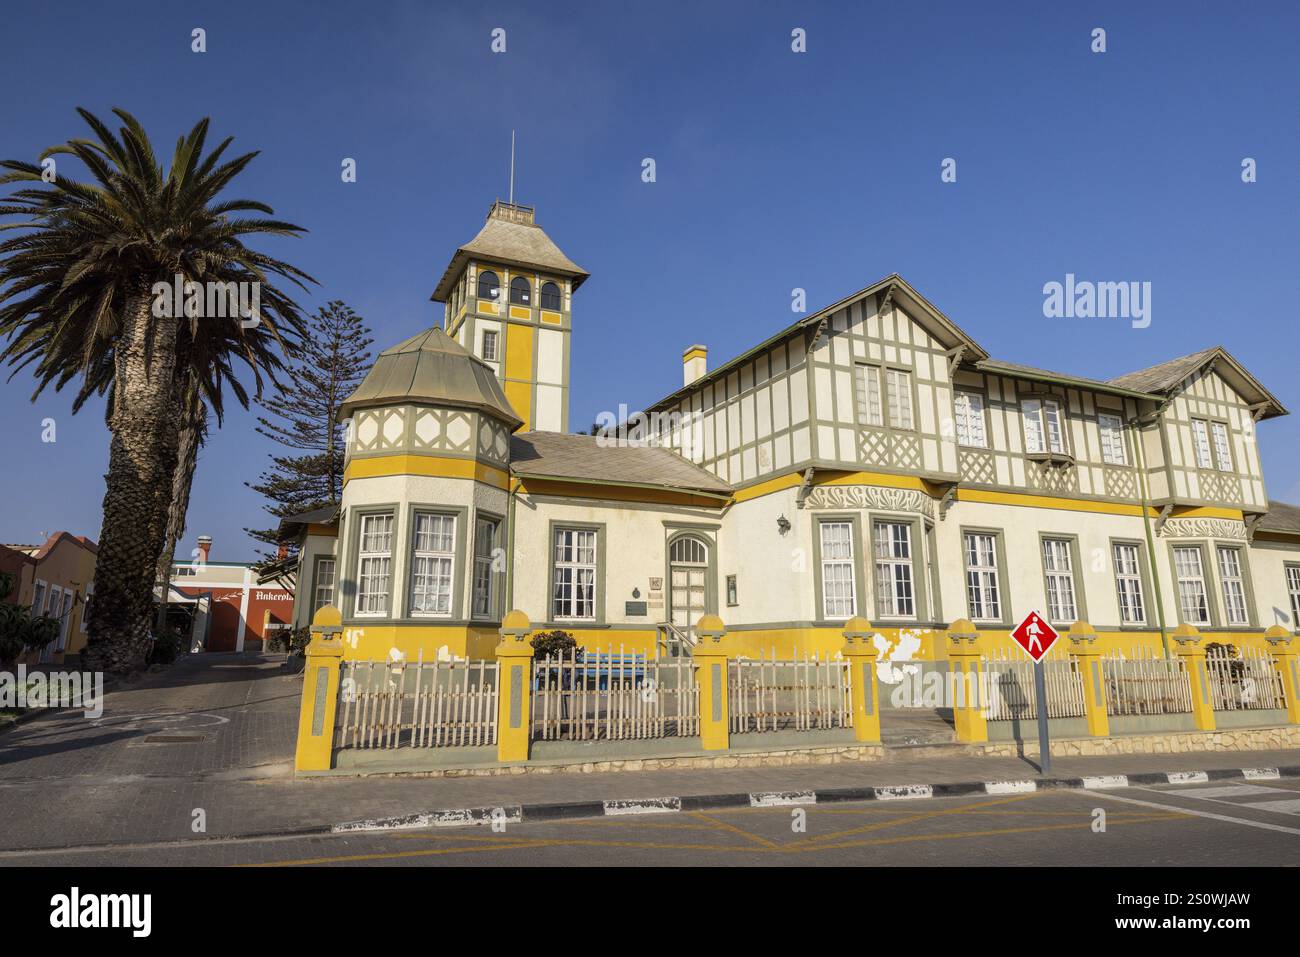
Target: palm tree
[(76, 297)]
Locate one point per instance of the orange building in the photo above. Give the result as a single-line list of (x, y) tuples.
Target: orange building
[(54, 579)]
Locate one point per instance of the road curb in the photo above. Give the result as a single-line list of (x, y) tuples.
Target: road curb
[(532, 813)]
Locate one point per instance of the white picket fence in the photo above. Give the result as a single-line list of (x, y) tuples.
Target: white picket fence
[(811, 693), (421, 704), (1249, 682), (1145, 684), (1010, 688), (614, 695)]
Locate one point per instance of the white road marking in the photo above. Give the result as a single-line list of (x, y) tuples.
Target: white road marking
[(1101, 782), (1262, 825), (904, 792), (644, 806), (1261, 774), (1010, 787), (1291, 806), (1187, 777), (1228, 790), (782, 798)]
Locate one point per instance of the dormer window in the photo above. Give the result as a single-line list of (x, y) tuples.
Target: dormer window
[(551, 296), (489, 286), (521, 291)]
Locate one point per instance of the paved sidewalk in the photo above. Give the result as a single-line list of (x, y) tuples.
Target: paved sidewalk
[(67, 781)]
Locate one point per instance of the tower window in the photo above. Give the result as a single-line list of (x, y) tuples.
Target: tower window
[(489, 286), (489, 345), (521, 291), (550, 296)]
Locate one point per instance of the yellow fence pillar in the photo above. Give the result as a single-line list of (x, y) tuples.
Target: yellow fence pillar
[(1083, 646), (320, 692), (710, 662), (1187, 646), (515, 690), (1286, 659), (860, 651), (967, 683)]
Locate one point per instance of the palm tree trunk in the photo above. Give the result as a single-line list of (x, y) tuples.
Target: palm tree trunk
[(141, 465), (194, 427)]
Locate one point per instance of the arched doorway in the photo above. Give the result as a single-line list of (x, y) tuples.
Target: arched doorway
[(688, 581)]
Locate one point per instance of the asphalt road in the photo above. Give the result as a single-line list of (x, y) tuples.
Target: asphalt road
[(1214, 824)]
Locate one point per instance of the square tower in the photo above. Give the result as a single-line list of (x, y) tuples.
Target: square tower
[(507, 295)]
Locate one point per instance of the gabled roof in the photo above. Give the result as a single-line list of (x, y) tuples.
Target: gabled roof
[(1281, 517), (917, 306), (431, 367), (510, 236), (558, 455), (1167, 376)]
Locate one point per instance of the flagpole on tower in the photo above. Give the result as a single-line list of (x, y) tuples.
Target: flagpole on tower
[(512, 167)]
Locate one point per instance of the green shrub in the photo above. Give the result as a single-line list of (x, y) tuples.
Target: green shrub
[(553, 644)]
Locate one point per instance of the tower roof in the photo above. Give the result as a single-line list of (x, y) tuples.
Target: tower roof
[(511, 236), (431, 367)]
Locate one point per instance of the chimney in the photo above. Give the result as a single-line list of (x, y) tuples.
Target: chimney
[(205, 546), (694, 363)]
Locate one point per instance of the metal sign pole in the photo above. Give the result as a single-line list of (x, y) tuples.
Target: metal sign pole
[(1040, 700)]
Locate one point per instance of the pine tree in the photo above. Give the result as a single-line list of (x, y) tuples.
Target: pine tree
[(305, 407)]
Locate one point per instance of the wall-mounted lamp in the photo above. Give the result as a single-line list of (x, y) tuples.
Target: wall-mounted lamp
[(783, 524)]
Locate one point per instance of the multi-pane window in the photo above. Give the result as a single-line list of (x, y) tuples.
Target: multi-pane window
[(1293, 586), (433, 556), (1234, 588), (1222, 455), (1193, 603), (893, 405), (894, 583), (489, 345), (839, 589), (489, 286), (982, 595), (485, 578), (1112, 439), (374, 564), (521, 291), (1201, 439), (324, 588), (574, 592), (1128, 583), (1058, 566), (551, 296), (38, 600), (968, 408), (1043, 431)]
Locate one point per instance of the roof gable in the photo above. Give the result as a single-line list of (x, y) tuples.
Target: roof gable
[(1166, 377)]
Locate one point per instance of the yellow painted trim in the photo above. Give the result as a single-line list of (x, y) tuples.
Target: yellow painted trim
[(330, 531), (1048, 501), (488, 306), (382, 465), (554, 318), (520, 312), (789, 480), (1206, 511), (793, 479), (690, 354)]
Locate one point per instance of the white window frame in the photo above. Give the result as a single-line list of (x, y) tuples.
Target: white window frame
[(576, 552), (40, 594), (968, 416), (983, 584), (884, 397), (433, 564), (1126, 560), (321, 562), (65, 621), (374, 564), (1222, 446), (1232, 583), (1044, 426), (1058, 570), (1201, 442), (1293, 586), (492, 336), (839, 572), (895, 572), (83, 625), (1190, 581), (1111, 427), (483, 573)]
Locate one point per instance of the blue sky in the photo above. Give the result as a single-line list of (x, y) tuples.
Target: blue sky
[(775, 170)]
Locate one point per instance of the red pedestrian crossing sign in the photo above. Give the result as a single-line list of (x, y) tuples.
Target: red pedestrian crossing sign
[(1035, 635)]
